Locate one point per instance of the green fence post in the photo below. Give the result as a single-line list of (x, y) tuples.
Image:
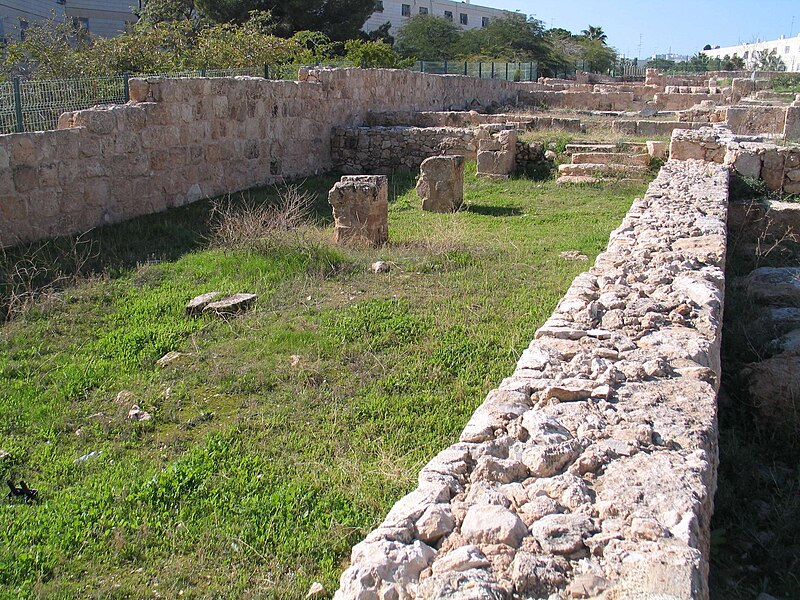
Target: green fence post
[(422, 66), (492, 77), (266, 71), (126, 88), (465, 68), (530, 72), (445, 67), (203, 72), (18, 106), (506, 71), (480, 69)]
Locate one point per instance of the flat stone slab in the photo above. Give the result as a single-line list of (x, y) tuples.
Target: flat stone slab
[(198, 303), (231, 304)]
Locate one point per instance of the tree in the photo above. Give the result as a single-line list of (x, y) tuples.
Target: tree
[(428, 37), (511, 38), (768, 60), (157, 11), (595, 34), (596, 56), (564, 50), (661, 64), (338, 19), (369, 55)]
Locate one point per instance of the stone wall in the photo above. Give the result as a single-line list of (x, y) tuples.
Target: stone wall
[(650, 127), (385, 149), (778, 166), (180, 140), (593, 467), (470, 119)]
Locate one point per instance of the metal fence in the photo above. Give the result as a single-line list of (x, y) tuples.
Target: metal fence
[(510, 71), (35, 105)]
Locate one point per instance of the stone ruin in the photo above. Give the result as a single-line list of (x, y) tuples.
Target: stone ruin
[(360, 209), (589, 471), (441, 183), (497, 155)]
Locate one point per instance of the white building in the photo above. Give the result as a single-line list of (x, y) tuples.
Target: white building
[(468, 16), (788, 49), (100, 17)]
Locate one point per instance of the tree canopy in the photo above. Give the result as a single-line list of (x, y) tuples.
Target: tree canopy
[(428, 37)]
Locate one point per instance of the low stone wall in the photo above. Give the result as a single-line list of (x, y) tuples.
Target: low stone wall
[(180, 140), (752, 120), (650, 128), (778, 166), (385, 149), (679, 101), (593, 467), (470, 119), (582, 100)]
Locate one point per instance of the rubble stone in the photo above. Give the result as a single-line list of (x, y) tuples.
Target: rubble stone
[(441, 183)]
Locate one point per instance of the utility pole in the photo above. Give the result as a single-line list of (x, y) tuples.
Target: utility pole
[(639, 56)]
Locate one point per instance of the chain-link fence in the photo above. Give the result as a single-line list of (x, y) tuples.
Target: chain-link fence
[(35, 105)]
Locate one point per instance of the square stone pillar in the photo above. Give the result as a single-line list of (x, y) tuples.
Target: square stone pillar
[(441, 183), (360, 209), (497, 155)]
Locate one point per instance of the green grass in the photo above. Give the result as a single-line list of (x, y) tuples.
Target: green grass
[(260, 470)]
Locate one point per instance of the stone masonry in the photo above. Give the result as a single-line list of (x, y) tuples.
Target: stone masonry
[(592, 468), (441, 183), (360, 209), (497, 155)]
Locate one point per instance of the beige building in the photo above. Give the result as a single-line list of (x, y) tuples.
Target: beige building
[(788, 49), (100, 17), (468, 16)]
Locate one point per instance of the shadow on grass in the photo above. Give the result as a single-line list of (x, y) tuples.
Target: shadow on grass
[(493, 211)]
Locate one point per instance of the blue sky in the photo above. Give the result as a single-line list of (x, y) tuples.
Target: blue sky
[(680, 25)]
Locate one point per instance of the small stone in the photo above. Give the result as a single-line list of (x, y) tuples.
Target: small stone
[(316, 590), (168, 358), (566, 393), (86, 457), (379, 267), (198, 303), (647, 529), (436, 522), (573, 255), (550, 155), (4, 454), (462, 558), (493, 524), (294, 361), (587, 586), (137, 414), (562, 533), (231, 304)]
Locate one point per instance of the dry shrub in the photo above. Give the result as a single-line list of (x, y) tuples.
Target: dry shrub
[(32, 272), (255, 225)]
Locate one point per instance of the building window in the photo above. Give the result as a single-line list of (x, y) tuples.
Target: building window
[(463, 18), (786, 50), (484, 21), (423, 10), (405, 10), (448, 14), (379, 6)]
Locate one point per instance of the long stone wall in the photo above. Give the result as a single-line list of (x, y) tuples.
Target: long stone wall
[(593, 467), (180, 140)]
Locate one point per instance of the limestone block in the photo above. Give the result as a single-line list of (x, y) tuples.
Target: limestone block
[(360, 209), (772, 170), (139, 90), (657, 149), (747, 163), (441, 183), (497, 155)]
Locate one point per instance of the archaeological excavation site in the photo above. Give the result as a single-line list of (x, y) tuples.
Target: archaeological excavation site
[(631, 435)]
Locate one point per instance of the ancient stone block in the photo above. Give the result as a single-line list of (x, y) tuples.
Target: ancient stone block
[(657, 149), (360, 209), (441, 183), (791, 126), (231, 304), (497, 155)]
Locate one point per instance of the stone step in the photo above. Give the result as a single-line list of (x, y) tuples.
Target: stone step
[(594, 147), (595, 170), (605, 158), (575, 179)]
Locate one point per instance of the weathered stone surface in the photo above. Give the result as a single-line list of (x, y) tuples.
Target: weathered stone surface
[(360, 209), (197, 304), (603, 441), (496, 155), (774, 285), (441, 183), (231, 304), (492, 524)]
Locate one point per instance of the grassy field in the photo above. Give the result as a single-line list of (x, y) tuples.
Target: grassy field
[(279, 437)]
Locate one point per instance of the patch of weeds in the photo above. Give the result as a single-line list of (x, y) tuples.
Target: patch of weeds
[(374, 325), (747, 188)]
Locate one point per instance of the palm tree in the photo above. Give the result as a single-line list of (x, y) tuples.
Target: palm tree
[(594, 33)]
